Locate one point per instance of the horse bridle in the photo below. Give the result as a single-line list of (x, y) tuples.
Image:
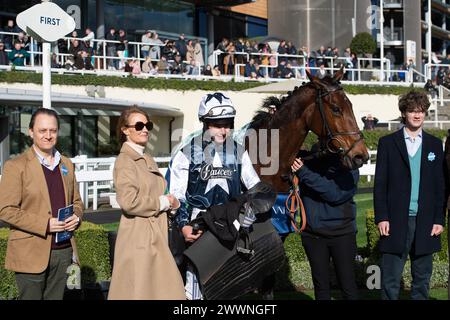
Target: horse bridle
[(330, 135)]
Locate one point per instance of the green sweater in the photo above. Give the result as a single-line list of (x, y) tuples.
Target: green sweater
[(414, 164)]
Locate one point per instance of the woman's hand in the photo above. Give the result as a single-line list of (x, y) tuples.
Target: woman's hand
[(187, 233), (174, 203), (298, 163)]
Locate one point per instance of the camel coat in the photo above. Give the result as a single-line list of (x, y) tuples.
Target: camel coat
[(25, 206), (144, 268)]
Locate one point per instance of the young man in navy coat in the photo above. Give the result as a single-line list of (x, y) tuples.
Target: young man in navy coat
[(409, 199)]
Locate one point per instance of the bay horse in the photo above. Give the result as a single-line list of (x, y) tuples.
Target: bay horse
[(320, 106)]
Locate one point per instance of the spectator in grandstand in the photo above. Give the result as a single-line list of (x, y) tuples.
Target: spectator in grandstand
[(147, 65), (192, 69), (229, 59), (409, 68), (292, 50), (111, 49), (176, 66), (287, 72), (440, 76), (354, 60), (144, 268), (409, 199), (265, 49), (282, 50), (370, 122), (122, 48), (216, 71), (83, 61), (170, 51), (181, 47), (75, 48), (240, 48), (198, 53), (88, 40), (320, 56), (146, 39), (135, 64), (155, 48), (189, 50), (163, 66), (9, 38), (23, 40), (72, 41), (54, 63), (250, 69), (322, 72), (208, 70), (222, 46), (18, 55), (431, 88), (279, 69), (260, 71), (4, 60)]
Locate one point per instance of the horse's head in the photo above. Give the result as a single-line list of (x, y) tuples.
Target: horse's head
[(334, 122)]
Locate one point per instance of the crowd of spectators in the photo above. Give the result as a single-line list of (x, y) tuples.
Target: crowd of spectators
[(185, 56)]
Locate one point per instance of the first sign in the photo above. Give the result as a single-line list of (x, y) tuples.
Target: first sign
[(47, 20)]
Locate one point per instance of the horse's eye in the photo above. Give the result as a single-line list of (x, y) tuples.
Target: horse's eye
[(336, 109)]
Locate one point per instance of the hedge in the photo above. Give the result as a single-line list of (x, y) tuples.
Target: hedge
[(173, 84), (93, 249), (296, 274), (128, 82), (371, 137)]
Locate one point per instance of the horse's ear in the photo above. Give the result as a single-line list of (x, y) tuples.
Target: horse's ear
[(310, 76), (338, 75)]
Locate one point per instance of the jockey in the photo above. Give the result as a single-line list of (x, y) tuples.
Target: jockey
[(209, 170)]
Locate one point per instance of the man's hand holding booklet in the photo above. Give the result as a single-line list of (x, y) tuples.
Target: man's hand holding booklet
[(63, 215)]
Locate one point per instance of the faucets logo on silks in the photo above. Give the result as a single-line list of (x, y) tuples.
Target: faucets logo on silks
[(209, 172)]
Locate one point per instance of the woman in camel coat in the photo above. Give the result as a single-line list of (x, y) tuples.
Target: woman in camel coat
[(144, 267)]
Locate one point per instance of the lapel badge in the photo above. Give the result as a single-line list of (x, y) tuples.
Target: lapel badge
[(431, 156), (64, 170)]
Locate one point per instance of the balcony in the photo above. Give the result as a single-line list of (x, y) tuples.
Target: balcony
[(393, 4), (392, 36)]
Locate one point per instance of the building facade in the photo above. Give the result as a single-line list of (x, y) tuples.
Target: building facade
[(335, 22)]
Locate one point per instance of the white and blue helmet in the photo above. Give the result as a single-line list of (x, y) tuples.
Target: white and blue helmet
[(216, 106)]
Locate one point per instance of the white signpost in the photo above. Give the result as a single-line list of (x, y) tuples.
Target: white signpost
[(46, 22)]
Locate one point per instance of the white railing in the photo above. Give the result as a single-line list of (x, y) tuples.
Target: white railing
[(95, 177), (101, 60)]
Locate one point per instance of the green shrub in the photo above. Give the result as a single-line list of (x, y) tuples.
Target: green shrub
[(372, 236), (363, 43), (93, 249), (8, 289), (129, 82), (172, 84)]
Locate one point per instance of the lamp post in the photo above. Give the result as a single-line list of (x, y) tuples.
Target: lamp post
[(428, 39)]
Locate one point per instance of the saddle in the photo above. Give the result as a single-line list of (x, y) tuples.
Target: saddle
[(229, 271)]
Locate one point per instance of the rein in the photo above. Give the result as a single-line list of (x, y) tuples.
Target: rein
[(295, 205)]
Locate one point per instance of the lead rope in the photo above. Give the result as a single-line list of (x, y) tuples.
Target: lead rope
[(294, 204)]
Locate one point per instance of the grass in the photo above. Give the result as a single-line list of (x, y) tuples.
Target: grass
[(363, 202), (435, 294)]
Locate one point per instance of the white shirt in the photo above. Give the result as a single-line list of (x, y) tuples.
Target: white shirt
[(44, 162), (412, 144)]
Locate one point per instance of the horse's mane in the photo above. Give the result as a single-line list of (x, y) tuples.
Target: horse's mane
[(263, 118)]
